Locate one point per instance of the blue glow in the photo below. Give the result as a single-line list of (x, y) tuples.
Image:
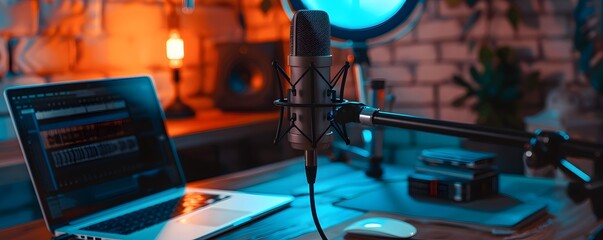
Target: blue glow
[(356, 14), (575, 170), (367, 135)]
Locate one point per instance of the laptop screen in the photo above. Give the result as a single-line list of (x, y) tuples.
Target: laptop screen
[(93, 145)]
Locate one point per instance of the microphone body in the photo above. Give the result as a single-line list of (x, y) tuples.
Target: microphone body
[(310, 62), (310, 90)]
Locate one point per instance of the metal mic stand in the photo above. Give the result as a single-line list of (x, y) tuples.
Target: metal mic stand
[(542, 148)]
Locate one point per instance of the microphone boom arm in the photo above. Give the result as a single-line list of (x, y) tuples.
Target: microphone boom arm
[(542, 147)]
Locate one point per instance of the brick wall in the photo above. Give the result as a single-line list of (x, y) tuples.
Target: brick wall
[(44, 41), (419, 67)]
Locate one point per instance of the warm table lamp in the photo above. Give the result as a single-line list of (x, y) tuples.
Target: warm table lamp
[(175, 53)]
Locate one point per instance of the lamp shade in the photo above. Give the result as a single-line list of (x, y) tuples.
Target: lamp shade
[(175, 49)]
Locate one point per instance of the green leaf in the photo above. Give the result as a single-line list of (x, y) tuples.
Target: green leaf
[(459, 101), (513, 15), (458, 80), (506, 55), (486, 55), (532, 81), (475, 75), (586, 54), (454, 3), (509, 95), (473, 18), (471, 3), (596, 76)]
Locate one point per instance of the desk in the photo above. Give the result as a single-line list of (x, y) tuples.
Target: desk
[(570, 221)]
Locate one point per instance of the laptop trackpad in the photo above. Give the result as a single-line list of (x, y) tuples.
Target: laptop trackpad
[(213, 217)]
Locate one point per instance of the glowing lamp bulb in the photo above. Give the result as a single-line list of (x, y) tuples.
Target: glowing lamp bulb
[(175, 50)]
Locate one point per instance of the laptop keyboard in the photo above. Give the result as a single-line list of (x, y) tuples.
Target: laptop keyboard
[(155, 214)]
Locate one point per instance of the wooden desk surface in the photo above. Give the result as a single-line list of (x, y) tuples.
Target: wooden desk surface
[(570, 221)]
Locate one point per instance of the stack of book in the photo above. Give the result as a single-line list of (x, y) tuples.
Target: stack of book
[(454, 174)]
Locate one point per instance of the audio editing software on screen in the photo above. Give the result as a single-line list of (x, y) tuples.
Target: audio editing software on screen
[(84, 142)]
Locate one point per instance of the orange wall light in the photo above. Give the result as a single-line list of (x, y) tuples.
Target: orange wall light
[(175, 49)]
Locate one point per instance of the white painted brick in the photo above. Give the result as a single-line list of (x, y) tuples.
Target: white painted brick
[(449, 92), (557, 49), (265, 34), (409, 38), (255, 17), (3, 56), (462, 115), (134, 17), (414, 94), (501, 6), (61, 17), (479, 29), (121, 53), (397, 73), (525, 49), (202, 22), (555, 71), (529, 27), (501, 28), (435, 73), (553, 26), (448, 29), (380, 55), (558, 6), (415, 53), (529, 7), (548, 26), (93, 14), (457, 51), (19, 18), (192, 50), (461, 10), (44, 55)]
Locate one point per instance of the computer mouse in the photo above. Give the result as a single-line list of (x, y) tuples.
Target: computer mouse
[(382, 227)]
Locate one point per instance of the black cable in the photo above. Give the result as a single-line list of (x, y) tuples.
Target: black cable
[(314, 215)]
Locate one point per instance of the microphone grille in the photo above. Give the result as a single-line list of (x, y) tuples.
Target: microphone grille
[(310, 33)]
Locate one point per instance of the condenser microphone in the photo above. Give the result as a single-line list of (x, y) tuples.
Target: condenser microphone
[(312, 99), (310, 61)]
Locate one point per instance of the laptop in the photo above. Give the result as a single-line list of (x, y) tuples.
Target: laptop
[(103, 166)]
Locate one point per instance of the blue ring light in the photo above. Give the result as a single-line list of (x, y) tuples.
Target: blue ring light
[(357, 22)]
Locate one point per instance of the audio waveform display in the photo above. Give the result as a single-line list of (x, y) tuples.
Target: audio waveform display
[(95, 151), (69, 136)]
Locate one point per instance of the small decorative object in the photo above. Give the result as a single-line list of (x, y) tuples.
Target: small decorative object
[(175, 53), (498, 88)]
